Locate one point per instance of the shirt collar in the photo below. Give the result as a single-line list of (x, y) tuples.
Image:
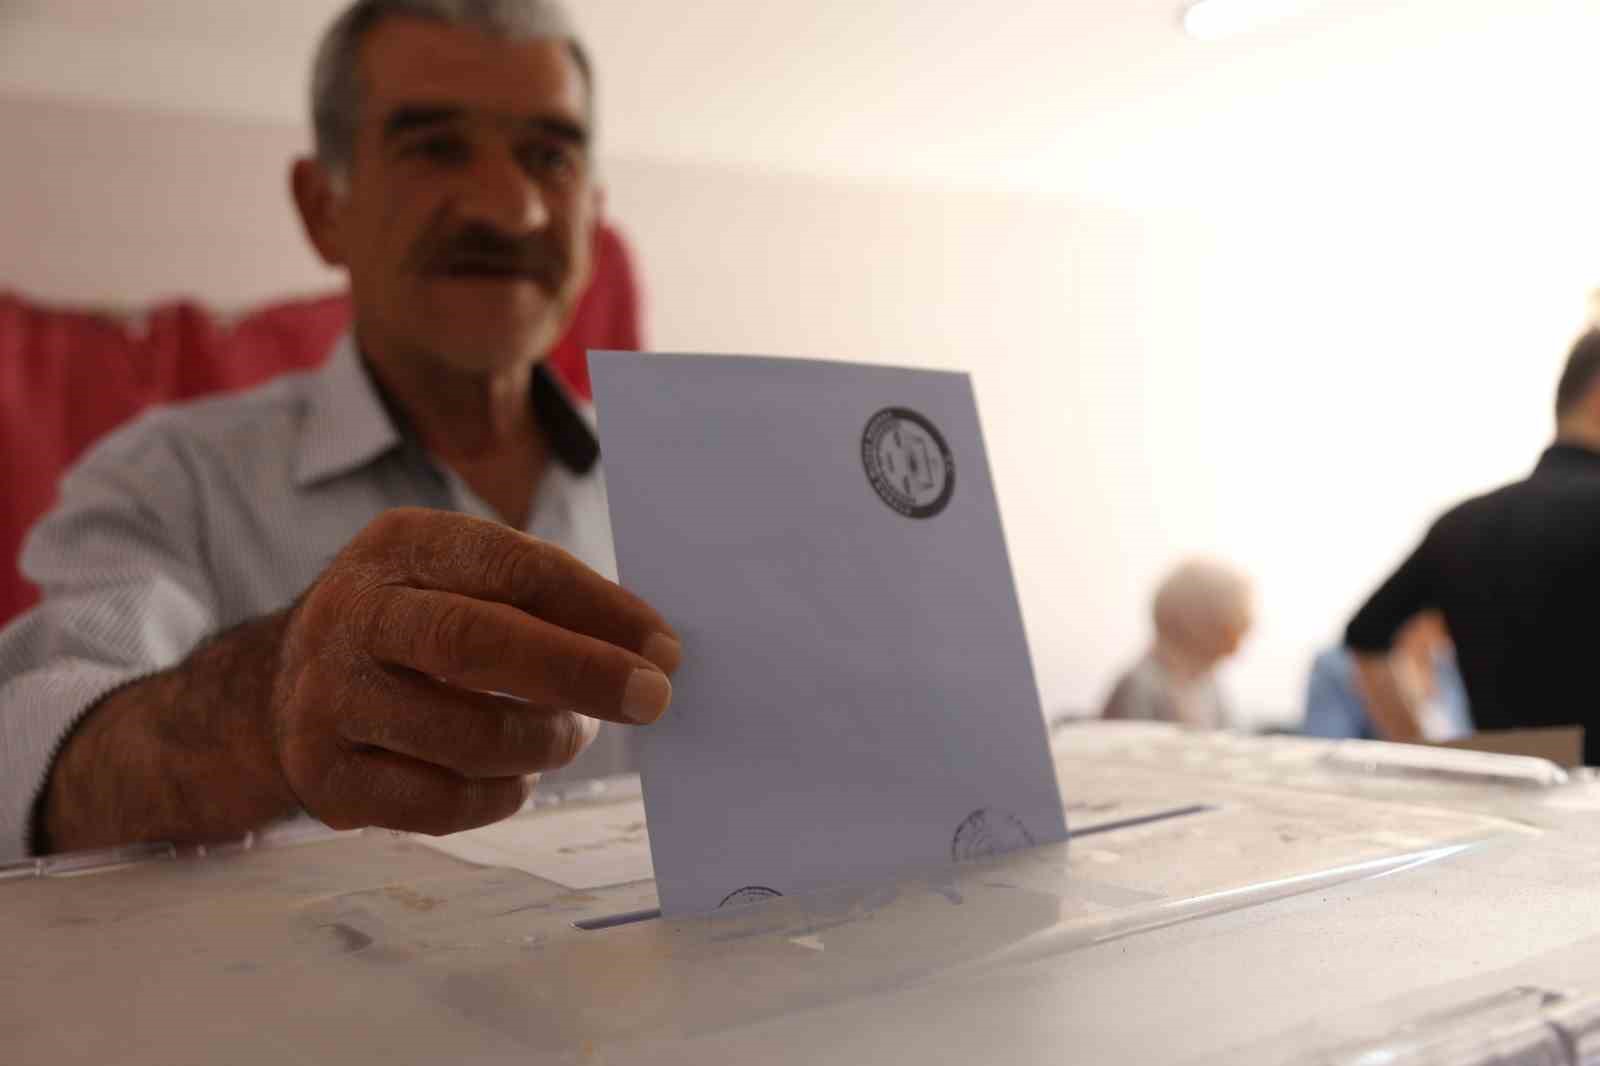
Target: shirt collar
[(346, 424), (1564, 457), (349, 422), (566, 422)]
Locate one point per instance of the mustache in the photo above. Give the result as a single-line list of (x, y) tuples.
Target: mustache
[(479, 249)]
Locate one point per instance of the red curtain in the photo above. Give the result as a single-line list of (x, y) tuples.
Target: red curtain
[(69, 376)]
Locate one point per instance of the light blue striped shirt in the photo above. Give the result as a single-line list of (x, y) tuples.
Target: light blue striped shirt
[(195, 518)]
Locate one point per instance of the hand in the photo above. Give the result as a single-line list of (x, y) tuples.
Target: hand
[(440, 658), (1394, 716)]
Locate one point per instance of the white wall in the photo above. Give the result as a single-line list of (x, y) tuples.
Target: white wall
[(1299, 392), (1296, 383), (117, 206)]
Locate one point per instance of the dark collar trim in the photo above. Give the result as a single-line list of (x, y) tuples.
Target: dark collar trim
[(564, 429), (571, 440)]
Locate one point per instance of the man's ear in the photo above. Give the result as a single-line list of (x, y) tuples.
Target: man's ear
[(319, 204), (1589, 406)]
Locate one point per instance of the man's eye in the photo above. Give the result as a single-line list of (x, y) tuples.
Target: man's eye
[(549, 160), (440, 148)]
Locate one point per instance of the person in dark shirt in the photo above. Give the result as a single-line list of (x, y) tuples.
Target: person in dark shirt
[(1517, 574)]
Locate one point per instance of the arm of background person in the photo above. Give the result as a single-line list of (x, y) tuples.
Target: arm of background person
[(1370, 637), (1394, 714)]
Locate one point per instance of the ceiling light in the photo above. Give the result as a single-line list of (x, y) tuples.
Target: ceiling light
[(1209, 20)]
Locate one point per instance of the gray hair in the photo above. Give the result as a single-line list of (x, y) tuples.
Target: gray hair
[(1198, 600), (336, 86)]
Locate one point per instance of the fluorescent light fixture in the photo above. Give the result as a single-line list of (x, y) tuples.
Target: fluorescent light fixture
[(1210, 20)]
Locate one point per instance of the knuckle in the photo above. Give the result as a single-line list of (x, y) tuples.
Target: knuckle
[(588, 672), (331, 792), (493, 643), (516, 732), (349, 599), (408, 800), (397, 542), (514, 566), (371, 621), (391, 525), (550, 741), (451, 639), (473, 803), (525, 740), (565, 673), (326, 600), (405, 519), (558, 572), (379, 726), (538, 569), (366, 608)]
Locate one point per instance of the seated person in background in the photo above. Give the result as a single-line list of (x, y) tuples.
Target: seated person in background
[(1202, 612), (376, 592), (1423, 662)]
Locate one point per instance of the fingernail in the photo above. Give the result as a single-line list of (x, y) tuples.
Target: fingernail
[(647, 695), (662, 650)]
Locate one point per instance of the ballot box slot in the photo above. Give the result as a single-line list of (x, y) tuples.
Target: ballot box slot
[(1142, 819), (611, 921)]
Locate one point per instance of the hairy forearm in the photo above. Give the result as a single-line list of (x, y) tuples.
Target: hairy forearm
[(186, 755), (1393, 714)]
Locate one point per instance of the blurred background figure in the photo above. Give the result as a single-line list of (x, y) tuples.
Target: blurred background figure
[(1202, 611), (1423, 661), (1516, 573)]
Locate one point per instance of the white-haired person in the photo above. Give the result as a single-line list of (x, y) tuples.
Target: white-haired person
[(1202, 611)]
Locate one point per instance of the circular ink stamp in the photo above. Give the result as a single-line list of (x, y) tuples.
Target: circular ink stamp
[(987, 832), (749, 894), (908, 462)]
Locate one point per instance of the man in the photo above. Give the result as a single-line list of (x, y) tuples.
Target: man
[(1202, 612), (241, 619), (1517, 575)]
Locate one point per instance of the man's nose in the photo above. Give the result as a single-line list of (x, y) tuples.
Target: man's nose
[(500, 193)]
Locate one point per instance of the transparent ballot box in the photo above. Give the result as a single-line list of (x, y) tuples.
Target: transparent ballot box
[(1221, 899)]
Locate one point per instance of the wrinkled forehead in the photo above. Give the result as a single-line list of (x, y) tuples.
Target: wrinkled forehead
[(408, 62)]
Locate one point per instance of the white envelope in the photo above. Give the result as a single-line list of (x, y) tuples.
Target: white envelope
[(856, 698)]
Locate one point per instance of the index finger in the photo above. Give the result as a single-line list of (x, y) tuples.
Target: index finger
[(449, 552), (491, 647)]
